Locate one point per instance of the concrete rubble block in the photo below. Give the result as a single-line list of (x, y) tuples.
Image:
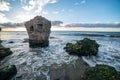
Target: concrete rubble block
[(38, 30)]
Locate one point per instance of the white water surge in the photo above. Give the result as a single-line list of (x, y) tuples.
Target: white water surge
[(31, 63), (34, 64)]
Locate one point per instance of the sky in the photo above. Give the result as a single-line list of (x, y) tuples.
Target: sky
[(68, 11)]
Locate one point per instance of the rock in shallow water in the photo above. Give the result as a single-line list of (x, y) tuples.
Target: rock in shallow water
[(85, 47), (101, 72), (8, 72), (4, 52), (38, 31)]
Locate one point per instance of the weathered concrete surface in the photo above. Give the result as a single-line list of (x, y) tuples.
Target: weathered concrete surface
[(69, 71), (38, 30)]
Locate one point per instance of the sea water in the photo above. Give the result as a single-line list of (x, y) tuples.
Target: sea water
[(33, 63)]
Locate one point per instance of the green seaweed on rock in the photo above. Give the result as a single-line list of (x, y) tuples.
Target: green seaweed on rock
[(101, 72), (85, 47)]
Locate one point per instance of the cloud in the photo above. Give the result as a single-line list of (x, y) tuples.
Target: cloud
[(21, 17), (36, 5), (53, 1), (30, 6), (56, 23), (10, 25), (44, 12), (77, 3), (3, 18), (83, 1), (80, 2), (4, 6), (30, 9), (94, 24)]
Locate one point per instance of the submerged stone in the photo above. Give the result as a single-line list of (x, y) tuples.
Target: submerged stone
[(38, 31), (85, 47), (8, 72)]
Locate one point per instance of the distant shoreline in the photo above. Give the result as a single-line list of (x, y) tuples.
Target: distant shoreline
[(71, 31)]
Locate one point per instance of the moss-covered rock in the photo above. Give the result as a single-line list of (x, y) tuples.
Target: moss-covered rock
[(8, 72), (101, 72), (85, 47), (4, 52)]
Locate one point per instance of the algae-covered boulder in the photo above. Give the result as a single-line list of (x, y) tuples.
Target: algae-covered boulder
[(101, 72), (8, 72), (85, 47), (4, 52)]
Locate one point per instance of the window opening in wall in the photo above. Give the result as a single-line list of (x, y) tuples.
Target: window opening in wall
[(31, 28), (39, 27)]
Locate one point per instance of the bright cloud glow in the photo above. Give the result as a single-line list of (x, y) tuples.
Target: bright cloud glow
[(21, 17), (33, 8), (3, 18), (29, 5), (44, 12), (53, 1), (57, 28), (4, 6)]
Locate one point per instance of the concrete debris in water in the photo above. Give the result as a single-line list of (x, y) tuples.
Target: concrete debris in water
[(38, 30)]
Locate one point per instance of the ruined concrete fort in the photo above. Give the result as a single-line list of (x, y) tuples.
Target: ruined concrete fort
[(38, 30)]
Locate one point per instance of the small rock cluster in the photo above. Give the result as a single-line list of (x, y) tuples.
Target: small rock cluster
[(6, 72), (85, 47)]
